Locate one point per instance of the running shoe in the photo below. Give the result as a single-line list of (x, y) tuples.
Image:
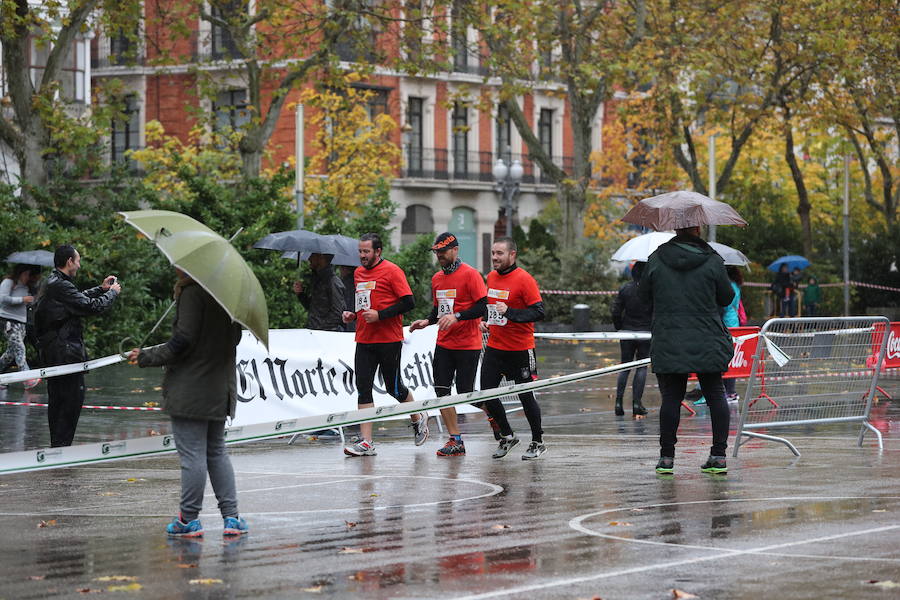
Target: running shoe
[(235, 526), (453, 448), (715, 464), (360, 448), (665, 465), (495, 428), (694, 394), (506, 444), (31, 383), (420, 429), (732, 397), (178, 528), (535, 450), (700, 401)]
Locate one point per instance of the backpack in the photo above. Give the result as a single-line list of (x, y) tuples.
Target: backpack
[(30, 311), (741, 313)]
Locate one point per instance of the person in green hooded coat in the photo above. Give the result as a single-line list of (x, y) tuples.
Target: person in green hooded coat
[(686, 283)]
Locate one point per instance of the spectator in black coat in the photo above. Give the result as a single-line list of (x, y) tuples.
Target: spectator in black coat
[(631, 313)]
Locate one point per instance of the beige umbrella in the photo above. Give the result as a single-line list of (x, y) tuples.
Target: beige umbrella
[(680, 210)]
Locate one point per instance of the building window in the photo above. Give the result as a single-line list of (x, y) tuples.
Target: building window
[(230, 110), (125, 130), (460, 120), (122, 49), (545, 130), (459, 39), (222, 45), (72, 74), (504, 134), (377, 102), (415, 117), (418, 221)]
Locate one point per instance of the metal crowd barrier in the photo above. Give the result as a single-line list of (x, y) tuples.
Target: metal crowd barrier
[(813, 371)]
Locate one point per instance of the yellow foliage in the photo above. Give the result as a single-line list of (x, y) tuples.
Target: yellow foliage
[(354, 150)]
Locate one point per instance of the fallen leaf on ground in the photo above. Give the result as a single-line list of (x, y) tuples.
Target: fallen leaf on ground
[(373, 495), (37, 577), (500, 526), (624, 524), (349, 550), (187, 565), (134, 479), (879, 510), (137, 391), (88, 591), (157, 388), (92, 389), (116, 578), (108, 494), (50, 523), (885, 585), (131, 587), (137, 378), (314, 590), (151, 404), (382, 429), (350, 524), (584, 409), (205, 581), (682, 595)]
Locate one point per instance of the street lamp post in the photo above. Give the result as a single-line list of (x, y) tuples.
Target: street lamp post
[(508, 180)]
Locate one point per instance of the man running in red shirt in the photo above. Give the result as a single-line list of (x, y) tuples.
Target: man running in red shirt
[(514, 304), (459, 299), (382, 296)]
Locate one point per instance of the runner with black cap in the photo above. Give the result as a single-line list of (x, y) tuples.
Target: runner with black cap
[(382, 296), (459, 298)]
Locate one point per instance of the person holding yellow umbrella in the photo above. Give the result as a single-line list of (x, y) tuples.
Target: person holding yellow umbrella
[(215, 292)]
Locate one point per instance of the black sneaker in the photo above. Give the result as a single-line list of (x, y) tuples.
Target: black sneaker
[(693, 395), (665, 465), (715, 464)]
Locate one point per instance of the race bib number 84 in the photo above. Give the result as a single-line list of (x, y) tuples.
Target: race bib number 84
[(364, 295)]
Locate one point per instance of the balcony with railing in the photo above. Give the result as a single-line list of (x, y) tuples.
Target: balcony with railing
[(441, 164)]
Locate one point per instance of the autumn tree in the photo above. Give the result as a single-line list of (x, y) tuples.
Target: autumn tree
[(273, 48), (574, 50), (39, 121)]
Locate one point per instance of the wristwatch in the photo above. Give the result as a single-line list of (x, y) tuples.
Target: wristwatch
[(457, 315)]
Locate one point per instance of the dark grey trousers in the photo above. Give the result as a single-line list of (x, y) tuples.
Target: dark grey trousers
[(201, 448)]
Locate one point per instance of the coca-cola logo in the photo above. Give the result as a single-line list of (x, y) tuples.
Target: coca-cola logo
[(739, 359), (893, 346)]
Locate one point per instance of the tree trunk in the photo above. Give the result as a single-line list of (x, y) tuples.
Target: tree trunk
[(803, 205)]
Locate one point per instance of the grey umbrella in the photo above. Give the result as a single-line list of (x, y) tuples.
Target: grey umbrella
[(347, 254), (298, 240), (42, 258), (681, 209)]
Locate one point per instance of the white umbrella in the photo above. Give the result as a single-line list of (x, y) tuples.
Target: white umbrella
[(641, 247), (732, 256)]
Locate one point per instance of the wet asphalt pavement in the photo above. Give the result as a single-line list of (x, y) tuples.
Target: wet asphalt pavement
[(590, 519)]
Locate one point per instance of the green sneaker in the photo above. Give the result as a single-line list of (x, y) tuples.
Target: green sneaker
[(715, 464), (665, 465)]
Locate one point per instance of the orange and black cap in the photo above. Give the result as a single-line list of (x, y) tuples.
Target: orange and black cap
[(444, 241)]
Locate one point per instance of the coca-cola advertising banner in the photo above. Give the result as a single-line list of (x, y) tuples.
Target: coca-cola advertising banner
[(742, 360), (892, 351)]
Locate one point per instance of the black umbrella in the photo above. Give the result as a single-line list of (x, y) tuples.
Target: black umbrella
[(40, 258)]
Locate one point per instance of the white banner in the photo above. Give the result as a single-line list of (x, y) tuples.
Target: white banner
[(309, 373)]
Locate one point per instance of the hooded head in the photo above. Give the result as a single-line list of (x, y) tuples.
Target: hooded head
[(637, 270), (685, 253)]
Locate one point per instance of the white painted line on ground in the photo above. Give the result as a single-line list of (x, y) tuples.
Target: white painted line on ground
[(722, 553)]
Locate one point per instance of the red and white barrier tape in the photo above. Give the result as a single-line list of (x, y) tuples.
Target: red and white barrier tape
[(746, 284), (96, 407)]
